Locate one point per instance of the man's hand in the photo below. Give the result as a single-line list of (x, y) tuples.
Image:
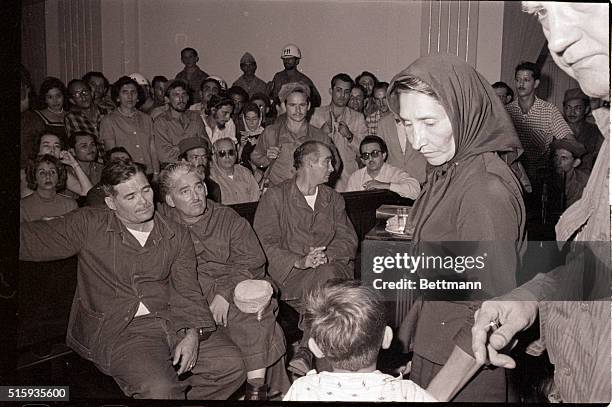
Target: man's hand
[(374, 184), (511, 317), (320, 257), (344, 130), (313, 259), (273, 152), (67, 158), (219, 308), (329, 127), (187, 351)]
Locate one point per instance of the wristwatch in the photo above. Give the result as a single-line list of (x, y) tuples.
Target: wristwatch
[(203, 334)]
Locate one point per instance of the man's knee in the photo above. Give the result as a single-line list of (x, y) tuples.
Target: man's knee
[(331, 271), (159, 388)]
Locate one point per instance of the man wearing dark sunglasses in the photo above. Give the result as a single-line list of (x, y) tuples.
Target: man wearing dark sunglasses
[(237, 183), (377, 174)]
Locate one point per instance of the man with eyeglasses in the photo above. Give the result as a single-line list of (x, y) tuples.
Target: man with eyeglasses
[(84, 115), (306, 234), (237, 183), (576, 108), (377, 174), (345, 126)]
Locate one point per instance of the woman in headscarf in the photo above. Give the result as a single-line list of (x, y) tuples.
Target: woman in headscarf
[(453, 117)]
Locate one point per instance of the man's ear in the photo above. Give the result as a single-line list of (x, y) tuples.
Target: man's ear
[(110, 202), (71, 150), (577, 162), (170, 201), (387, 337), (314, 348), (536, 83), (308, 108), (166, 99), (331, 91)]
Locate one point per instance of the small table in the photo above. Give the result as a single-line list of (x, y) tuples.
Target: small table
[(378, 232)]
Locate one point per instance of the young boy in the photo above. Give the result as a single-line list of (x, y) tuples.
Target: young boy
[(347, 327)]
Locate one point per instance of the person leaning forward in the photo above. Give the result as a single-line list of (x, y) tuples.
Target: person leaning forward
[(305, 233), (138, 312)]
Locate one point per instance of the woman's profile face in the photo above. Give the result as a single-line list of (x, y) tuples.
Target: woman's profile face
[(428, 127)]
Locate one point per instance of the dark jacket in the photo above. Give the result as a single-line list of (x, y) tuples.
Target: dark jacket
[(115, 274)]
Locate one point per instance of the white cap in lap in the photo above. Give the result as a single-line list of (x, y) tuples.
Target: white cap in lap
[(252, 296)]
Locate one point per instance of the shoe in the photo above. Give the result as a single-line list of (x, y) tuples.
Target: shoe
[(301, 363), (254, 392)]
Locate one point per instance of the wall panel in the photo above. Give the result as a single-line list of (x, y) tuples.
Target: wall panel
[(450, 27), (78, 37)]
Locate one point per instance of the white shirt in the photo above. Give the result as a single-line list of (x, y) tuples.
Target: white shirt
[(401, 182), (229, 131), (372, 386), (142, 239), (311, 199)]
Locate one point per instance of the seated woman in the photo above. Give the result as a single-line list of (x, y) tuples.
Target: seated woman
[(377, 174), (454, 118), (249, 129), (50, 117), (77, 181), (46, 176)]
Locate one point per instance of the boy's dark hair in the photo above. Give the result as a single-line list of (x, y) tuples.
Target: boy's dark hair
[(189, 49), (528, 66), (347, 322), (32, 168)]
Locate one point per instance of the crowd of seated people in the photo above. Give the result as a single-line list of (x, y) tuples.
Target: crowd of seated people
[(155, 164)]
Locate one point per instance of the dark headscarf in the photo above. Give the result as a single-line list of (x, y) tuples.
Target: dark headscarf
[(481, 126)]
